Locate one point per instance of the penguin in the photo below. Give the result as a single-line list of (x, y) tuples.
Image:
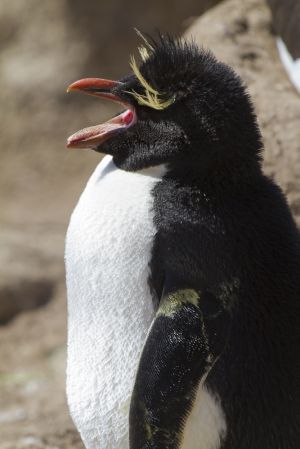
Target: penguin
[(286, 15), (291, 65), (183, 267)]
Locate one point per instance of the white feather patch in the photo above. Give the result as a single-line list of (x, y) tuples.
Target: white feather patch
[(206, 426), (108, 249)]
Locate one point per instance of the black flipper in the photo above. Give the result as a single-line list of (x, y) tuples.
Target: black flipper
[(187, 336)]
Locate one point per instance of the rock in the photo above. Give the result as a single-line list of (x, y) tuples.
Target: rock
[(31, 266), (22, 295), (12, 415)]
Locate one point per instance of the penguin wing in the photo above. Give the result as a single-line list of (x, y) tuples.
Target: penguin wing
[(187, 335)]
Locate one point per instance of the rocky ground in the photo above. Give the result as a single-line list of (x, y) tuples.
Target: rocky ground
[(40, 181)]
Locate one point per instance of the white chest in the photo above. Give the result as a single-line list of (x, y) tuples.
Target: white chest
[(108, 249)]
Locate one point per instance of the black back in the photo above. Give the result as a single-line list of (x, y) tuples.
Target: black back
[(241, 236)]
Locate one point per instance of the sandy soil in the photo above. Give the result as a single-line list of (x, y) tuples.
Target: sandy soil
[(38, 196)]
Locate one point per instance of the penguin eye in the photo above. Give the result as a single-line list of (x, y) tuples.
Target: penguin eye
[(151, 97)]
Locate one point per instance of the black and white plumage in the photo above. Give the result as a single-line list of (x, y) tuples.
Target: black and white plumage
[(183, 268)]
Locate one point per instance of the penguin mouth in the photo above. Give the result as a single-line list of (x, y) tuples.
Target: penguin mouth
[(94, 136)]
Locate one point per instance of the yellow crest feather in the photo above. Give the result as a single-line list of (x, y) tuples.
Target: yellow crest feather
[(152, 98), (144, 53), (140, 77)]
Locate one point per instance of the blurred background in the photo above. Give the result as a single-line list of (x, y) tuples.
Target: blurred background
[(44, 47)]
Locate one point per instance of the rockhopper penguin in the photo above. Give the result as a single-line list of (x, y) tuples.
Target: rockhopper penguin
[(183, 268)]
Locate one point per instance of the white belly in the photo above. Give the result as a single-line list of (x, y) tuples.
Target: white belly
[(108, 249)]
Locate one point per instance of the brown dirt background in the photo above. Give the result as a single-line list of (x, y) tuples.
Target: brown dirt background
[(45, 46)]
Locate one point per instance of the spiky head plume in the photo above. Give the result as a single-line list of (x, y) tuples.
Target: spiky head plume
[(151, 97)]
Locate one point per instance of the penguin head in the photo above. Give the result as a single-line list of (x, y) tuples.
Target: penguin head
[(183, 108)]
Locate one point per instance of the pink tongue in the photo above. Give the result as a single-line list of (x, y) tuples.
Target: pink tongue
[(99, 133)]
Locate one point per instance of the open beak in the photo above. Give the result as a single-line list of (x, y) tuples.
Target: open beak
[(94, 136)]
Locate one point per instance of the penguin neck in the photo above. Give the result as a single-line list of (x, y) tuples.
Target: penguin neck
[(215, 179), (156, 171)]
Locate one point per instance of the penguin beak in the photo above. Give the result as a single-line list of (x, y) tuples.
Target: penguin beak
[(94, 136)]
